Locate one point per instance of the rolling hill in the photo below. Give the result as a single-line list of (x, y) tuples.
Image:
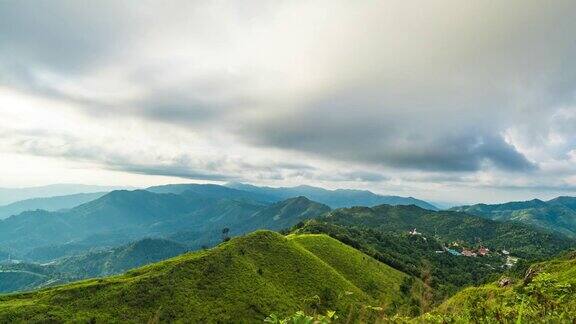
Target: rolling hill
[(243, 280), (120, 259), (558, 214)]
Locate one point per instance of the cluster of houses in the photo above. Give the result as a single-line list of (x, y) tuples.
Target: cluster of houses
[(509, 261), (454, 249), (481, 251)]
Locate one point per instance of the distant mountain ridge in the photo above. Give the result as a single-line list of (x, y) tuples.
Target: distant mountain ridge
[(58, 197), (212, 191), (11, 195), (334, 198), (48, 203), (558, 214), (131, 215)]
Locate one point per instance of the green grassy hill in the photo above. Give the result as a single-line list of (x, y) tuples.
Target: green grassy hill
[(377, 279), (243, 280), (546, 294)]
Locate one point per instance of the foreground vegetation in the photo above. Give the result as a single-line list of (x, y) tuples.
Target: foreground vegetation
[(547, 293)]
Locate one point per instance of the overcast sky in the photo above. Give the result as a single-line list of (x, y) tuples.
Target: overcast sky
[(447, 100)]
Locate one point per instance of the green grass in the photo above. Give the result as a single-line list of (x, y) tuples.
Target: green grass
[(380, 281), (549, 297), (243, 280)]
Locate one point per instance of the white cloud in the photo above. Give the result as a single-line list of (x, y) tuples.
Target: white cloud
[(407, 97)]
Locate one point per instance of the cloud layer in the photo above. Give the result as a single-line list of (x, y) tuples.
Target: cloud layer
[(405, 96)]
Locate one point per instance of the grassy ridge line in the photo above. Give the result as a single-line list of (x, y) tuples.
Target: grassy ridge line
[(301, 242), (376, 277), (243, 280)]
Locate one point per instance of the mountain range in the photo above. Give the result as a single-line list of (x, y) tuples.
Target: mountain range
[(558, 214), (333, 198), (122, 216), (54, 198)]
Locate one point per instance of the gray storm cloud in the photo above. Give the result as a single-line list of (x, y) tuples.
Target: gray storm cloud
[(434, 86)]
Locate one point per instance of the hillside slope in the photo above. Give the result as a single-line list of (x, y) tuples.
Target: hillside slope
[(243, 280), (546, 294)]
